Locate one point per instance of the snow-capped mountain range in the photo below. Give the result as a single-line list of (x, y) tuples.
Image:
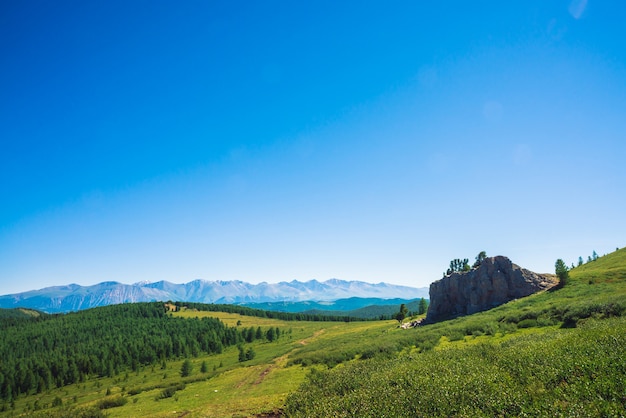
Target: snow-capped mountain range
[(74, 297)]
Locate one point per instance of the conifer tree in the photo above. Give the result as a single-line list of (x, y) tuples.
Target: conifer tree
[(562, 272), (422, 307), (479, 258), (402, 313), (270, 334), (186, 368)]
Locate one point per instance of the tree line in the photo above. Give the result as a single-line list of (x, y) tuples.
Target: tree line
[(462, 265), (403, 313), (259, 313), (562, 270), (56, 350)]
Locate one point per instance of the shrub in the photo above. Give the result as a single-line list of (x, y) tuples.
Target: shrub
[(109, 403), (169, 391), (527, 323), (455, 335)]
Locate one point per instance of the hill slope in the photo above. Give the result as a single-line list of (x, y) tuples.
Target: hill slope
[(558, 353), (19, 313)]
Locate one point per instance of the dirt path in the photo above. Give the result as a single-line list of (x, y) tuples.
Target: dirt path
[(278, 362), (263, 374), (316, 334)]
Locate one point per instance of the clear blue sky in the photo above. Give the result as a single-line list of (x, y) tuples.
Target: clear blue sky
[(272, 141)]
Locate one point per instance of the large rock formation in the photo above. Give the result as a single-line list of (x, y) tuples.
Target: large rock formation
[(496, 281)]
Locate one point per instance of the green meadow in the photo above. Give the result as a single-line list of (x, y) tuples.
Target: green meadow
[(229, 387), (557, 353)]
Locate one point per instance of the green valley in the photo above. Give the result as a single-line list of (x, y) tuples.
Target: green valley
[(557, 353)]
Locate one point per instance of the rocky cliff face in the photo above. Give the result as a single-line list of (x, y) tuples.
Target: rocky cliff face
[(496, 281)]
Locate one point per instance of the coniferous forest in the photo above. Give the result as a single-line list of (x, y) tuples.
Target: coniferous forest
[(41, 352)]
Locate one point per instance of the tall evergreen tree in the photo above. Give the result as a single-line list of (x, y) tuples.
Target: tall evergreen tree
[(270, 334), (242, 353), (422, 307), (186, 368), (401, 313), (562, 272)]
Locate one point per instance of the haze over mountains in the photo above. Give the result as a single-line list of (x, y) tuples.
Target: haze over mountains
[(74, 297)]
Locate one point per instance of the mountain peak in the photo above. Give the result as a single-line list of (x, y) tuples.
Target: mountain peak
[(108, 284), (75, 297)]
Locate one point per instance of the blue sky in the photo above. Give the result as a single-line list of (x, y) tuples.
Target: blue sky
[(272, 141)]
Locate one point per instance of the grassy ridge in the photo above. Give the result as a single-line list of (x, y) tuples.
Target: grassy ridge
[(19, 313)]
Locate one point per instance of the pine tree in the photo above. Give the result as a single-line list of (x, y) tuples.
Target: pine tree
[(401, 313), (422, 307), (562, 272), (479, 258), (186, 368), (270, 334), (242, 353)]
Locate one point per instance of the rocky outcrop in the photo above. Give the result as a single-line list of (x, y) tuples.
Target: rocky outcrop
[(496, 281)]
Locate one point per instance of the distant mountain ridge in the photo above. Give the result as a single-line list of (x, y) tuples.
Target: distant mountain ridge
[(74, 297), (356, 307)]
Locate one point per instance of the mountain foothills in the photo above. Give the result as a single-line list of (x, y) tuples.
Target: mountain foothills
[(557, 352), (74, 297)]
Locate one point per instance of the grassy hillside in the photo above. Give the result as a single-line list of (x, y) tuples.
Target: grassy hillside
[(605, 269), (580, 372), (556, 353), (227, 387), (20, 313)]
